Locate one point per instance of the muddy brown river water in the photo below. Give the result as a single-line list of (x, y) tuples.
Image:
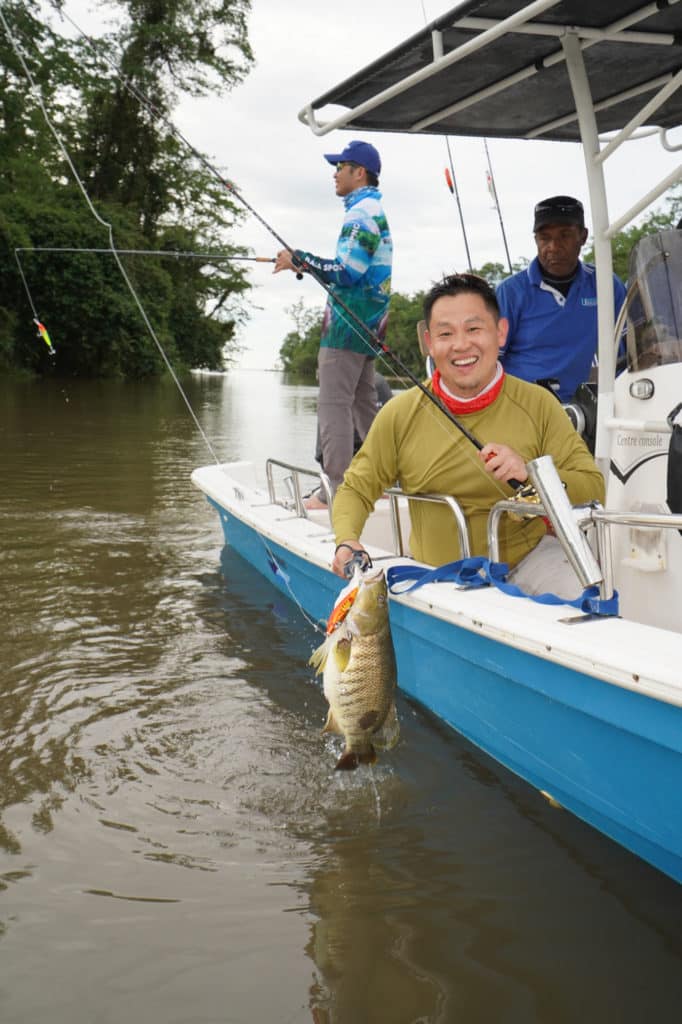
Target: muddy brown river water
[(175, 847)]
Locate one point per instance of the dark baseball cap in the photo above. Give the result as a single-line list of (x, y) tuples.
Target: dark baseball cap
[(361, 153), (558, 210)]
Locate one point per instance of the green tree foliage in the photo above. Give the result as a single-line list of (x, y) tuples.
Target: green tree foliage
[(496, 272), (401, 336), (298, 352), (624, 242), (155, 193)]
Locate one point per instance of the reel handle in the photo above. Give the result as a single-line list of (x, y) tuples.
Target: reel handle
[(360, 560)]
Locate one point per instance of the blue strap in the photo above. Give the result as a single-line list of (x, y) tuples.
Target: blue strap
[(589, 601), (465, 573), (480, 572)]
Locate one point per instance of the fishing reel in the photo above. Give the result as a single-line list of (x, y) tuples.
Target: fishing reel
[(360, 560), (581, 410), (524, 495)]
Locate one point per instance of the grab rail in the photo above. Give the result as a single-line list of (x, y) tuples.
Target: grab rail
[(584, 516), (440, 499), (293, 482), (394, 493)]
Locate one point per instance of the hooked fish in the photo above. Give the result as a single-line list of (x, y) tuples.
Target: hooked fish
[(358, 668)]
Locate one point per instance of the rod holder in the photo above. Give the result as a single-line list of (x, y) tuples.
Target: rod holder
[(559, 511)]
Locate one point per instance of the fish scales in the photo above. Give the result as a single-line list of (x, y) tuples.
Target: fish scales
[(359, 675)]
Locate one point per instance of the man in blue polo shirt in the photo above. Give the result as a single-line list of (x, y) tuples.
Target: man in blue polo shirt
[(551, 306)]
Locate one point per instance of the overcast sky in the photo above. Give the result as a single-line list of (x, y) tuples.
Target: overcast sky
[(303, 48)]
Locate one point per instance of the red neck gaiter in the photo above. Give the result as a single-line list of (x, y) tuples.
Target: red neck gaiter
[(455, 405)]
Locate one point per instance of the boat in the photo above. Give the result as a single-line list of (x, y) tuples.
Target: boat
[(583, 703)]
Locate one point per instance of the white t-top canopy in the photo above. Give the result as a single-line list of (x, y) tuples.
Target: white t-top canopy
[(497, 68), (566, 70)]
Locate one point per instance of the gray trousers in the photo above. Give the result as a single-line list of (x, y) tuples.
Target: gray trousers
[(347, 402), (547, 570)]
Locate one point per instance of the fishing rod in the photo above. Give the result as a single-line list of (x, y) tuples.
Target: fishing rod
[(42, 330), (370, 336), (147, 252), (451, 180), (493, 193)]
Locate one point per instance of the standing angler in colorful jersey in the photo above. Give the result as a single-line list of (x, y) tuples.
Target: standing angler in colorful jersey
[(551, 306), (360, 274)]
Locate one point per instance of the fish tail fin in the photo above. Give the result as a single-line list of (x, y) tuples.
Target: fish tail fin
[(350, 759), (348, 762)]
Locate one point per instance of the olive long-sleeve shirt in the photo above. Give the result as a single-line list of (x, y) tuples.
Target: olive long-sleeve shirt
[(412, 443)]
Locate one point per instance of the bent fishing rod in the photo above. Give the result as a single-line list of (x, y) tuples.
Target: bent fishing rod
[(373, 340)]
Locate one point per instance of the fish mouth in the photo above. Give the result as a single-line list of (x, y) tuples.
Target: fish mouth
[(372, 575)]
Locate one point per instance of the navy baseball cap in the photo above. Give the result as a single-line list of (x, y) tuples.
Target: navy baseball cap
[(558, 210), (361, 153)]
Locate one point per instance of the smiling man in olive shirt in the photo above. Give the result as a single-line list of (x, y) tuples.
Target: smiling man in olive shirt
[(412, 443)]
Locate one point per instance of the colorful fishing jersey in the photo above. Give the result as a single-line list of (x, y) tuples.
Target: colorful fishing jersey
[(360, 273)]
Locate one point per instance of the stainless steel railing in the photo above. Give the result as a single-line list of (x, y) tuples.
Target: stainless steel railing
[(295, 498), (593, 564), (293, 484)]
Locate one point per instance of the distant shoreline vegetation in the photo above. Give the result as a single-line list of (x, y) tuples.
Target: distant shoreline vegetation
[(140, 179)]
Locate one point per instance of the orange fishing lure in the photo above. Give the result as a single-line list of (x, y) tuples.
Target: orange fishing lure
[(340, 610)]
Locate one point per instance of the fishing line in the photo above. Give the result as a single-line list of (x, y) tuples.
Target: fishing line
[(105, 224), (62, 249), (283, 576), (368, 336), (21, 271)]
